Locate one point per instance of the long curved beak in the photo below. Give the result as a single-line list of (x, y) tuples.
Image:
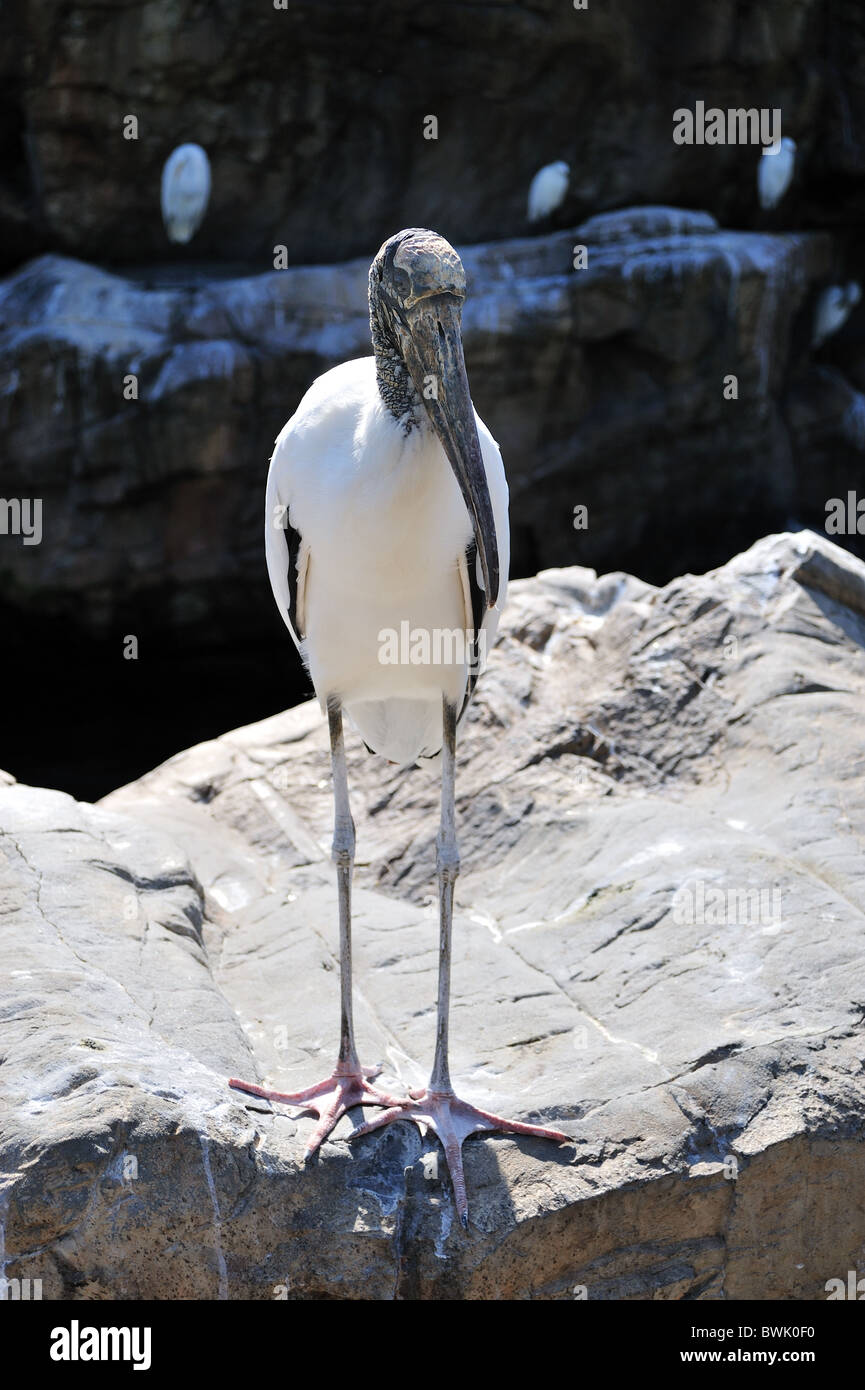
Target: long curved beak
[(434, 356)]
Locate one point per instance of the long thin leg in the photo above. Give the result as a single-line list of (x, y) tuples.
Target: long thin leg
[(438, 1107), (448, 867), (348, 1086), (343, 858)]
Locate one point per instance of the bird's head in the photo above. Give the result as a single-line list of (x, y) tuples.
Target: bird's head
[(412, 266), (417, 286)]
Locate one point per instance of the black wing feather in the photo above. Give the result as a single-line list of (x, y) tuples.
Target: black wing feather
[(479, 608), (293, 541)]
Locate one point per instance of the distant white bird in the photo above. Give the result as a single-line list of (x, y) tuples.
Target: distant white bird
[(775, 172), (185, 191), (547, 189), (387, 510), (834, 307)]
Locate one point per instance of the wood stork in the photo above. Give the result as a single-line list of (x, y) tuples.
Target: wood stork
[(547, 189), (834, 307), (386, 503), (775, 172), (185, 191)]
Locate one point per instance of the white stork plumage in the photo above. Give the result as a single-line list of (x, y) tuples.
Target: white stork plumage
[(547, 190), (775, 172), (185, 191), (387, 504)]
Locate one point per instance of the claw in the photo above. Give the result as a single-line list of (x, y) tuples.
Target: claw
[(328, 1099), (453, 1121)]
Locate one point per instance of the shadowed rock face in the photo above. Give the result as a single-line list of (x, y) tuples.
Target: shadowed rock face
[(317, 104), (657, 947), (604, 387)]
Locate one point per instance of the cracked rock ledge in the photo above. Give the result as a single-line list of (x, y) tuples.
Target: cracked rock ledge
[(658, 948)]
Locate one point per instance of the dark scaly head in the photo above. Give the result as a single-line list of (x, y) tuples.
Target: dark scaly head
[(417, 286)]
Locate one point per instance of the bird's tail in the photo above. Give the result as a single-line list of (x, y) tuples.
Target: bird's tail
[(400, 730)]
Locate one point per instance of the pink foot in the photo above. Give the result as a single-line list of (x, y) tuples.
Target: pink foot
[(329, 1099), (453, 1120)]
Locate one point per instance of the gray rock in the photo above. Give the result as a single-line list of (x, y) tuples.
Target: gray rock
[(593, 381), (639, 766)]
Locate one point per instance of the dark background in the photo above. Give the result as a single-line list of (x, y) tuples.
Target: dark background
[(603, 391)]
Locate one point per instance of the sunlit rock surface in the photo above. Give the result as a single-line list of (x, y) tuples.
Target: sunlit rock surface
[(658, 946)]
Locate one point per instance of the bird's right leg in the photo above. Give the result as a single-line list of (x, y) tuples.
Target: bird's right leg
[(348, 1085), (437, 1106)]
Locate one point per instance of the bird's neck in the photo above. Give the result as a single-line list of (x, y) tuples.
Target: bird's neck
[(395, 385)]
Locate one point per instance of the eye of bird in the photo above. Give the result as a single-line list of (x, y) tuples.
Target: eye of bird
[(402, 282)]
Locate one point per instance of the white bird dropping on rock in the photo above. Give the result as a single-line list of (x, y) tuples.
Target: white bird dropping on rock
[(775, 172), (547, 189), (185, 192), (834, 307)]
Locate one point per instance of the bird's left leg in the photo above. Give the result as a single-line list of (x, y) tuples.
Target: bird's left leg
[(349, 1083), (438, 1107)]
